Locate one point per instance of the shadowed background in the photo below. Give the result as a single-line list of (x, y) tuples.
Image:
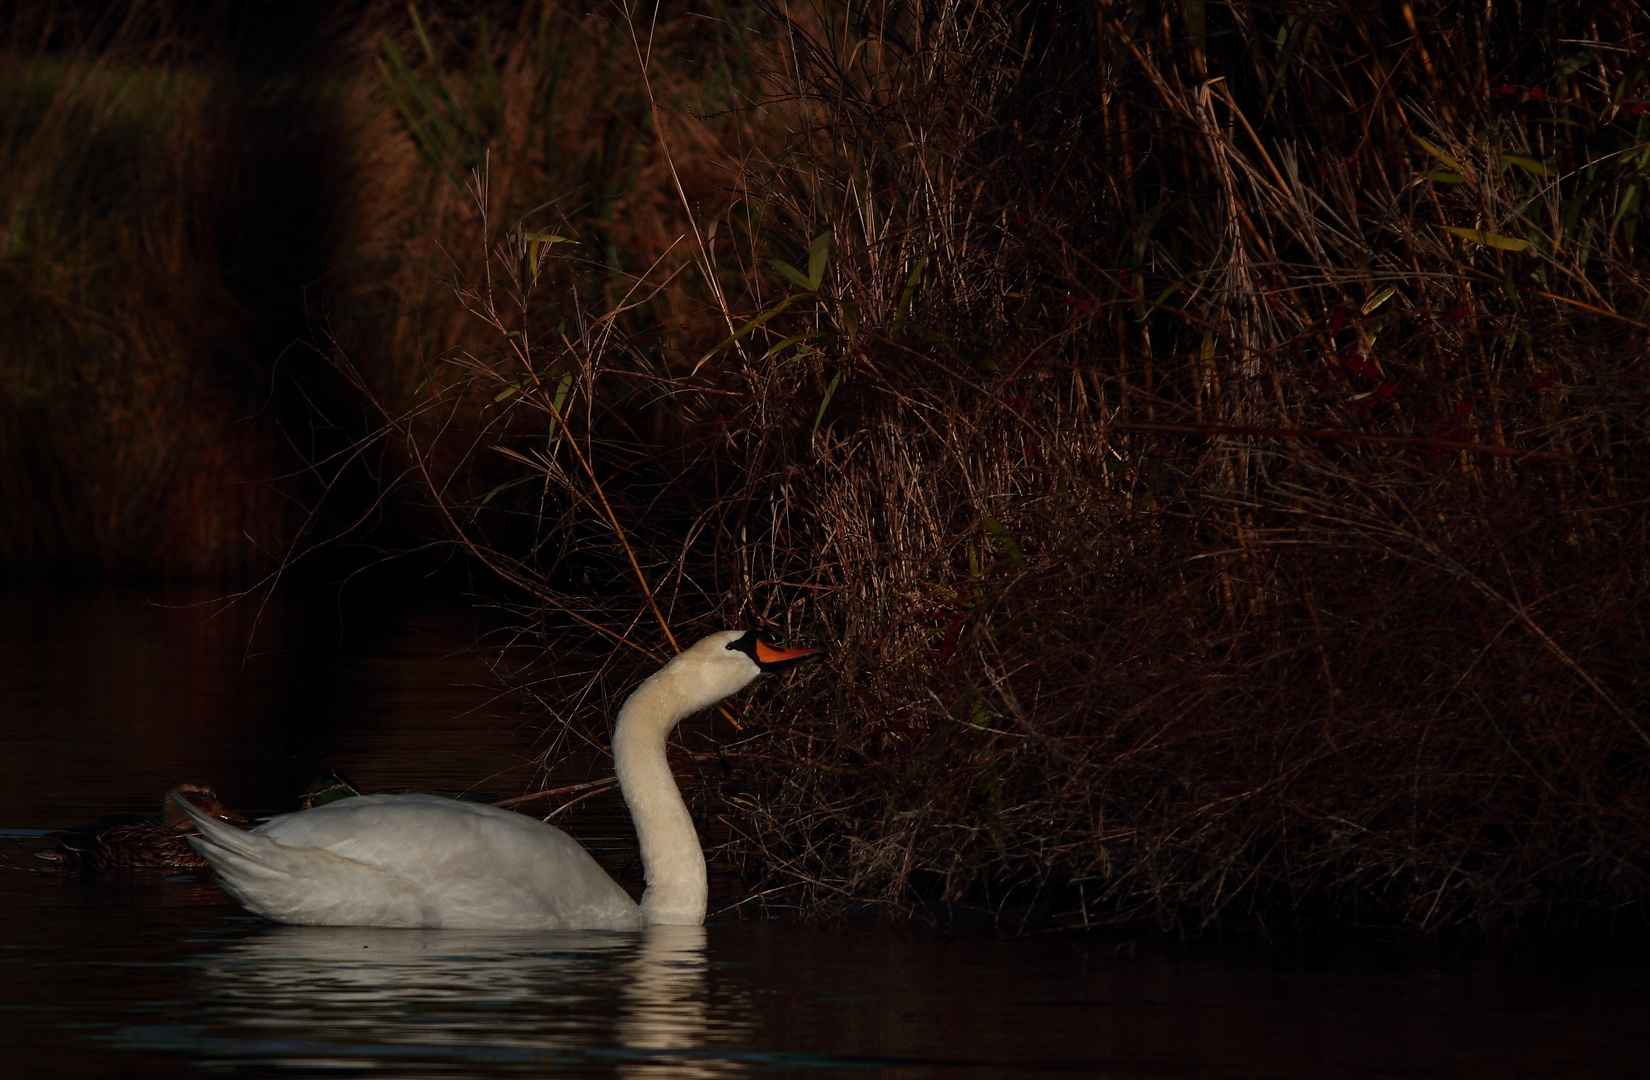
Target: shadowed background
[(1211, 436)]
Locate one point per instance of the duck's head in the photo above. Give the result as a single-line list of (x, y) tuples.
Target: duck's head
[(201, 797), (328, 787)]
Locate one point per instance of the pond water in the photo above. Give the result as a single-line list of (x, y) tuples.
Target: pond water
[(108, 699)]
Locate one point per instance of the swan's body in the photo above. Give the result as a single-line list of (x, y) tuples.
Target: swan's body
[(417, 860), (424, 860)]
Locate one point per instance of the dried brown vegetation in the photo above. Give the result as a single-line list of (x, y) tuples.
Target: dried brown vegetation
[(126, 391), (1211, 436)]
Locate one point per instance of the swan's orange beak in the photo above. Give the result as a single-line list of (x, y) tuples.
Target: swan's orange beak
[(768, 656), (773, 658)]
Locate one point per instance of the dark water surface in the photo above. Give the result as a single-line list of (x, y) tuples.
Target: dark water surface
[(107, 700)]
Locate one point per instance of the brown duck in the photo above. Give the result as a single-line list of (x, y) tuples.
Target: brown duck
[(138, 845)]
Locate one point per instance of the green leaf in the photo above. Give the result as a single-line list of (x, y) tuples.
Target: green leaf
[(817, 253), (830, 391), (1529, 165), (536, 209), (535, 242), (1629, 203), (1378, 299), (557, 410), (850, 316), (980, 716), (433, 117), (1488, 239), (508, 391), (414, 104), (1439, 154), (788, 342), (423, 38), (1287, 42), (1006, 541), (933, 337), (1575, 63), (1196, 23), (499, 490), (1162, 296), (1440, 176), (1572, 209), (910, 290), (748, 327), (792, 274)]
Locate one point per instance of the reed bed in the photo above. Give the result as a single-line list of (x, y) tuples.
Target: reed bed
[(128, 392), (1209, 437)]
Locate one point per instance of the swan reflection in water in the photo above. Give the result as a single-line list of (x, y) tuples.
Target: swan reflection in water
[(634, 1002), (666, 1018)]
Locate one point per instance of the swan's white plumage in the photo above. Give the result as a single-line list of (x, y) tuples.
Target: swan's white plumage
[(416, 860), (424, 860)]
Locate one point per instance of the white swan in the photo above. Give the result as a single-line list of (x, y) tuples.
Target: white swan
[(424, 860)]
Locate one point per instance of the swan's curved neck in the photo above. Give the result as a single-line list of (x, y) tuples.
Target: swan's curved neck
[(673, 863)]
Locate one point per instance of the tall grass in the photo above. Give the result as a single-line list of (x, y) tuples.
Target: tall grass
[(126, 388), (1210, 437)]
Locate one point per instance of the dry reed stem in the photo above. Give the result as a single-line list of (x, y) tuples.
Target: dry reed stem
[(1203, 531)]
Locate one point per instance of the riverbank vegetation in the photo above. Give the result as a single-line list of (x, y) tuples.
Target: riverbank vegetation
[(1210, 437), (126, 395)]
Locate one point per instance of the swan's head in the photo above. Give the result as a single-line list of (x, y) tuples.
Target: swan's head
[(720, 666)]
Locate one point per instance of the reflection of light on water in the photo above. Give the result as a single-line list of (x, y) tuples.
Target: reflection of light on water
[(362, 987), (664, 1005), (334, 996)]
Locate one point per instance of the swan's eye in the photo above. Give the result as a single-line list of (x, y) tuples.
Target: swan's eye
[(745, 643)]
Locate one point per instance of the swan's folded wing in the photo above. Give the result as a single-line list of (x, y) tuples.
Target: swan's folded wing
[(469, 864), (302, 885)]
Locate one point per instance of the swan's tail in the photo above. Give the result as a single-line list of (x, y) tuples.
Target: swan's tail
[(299, 884), (216, 837), (253, 869)]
